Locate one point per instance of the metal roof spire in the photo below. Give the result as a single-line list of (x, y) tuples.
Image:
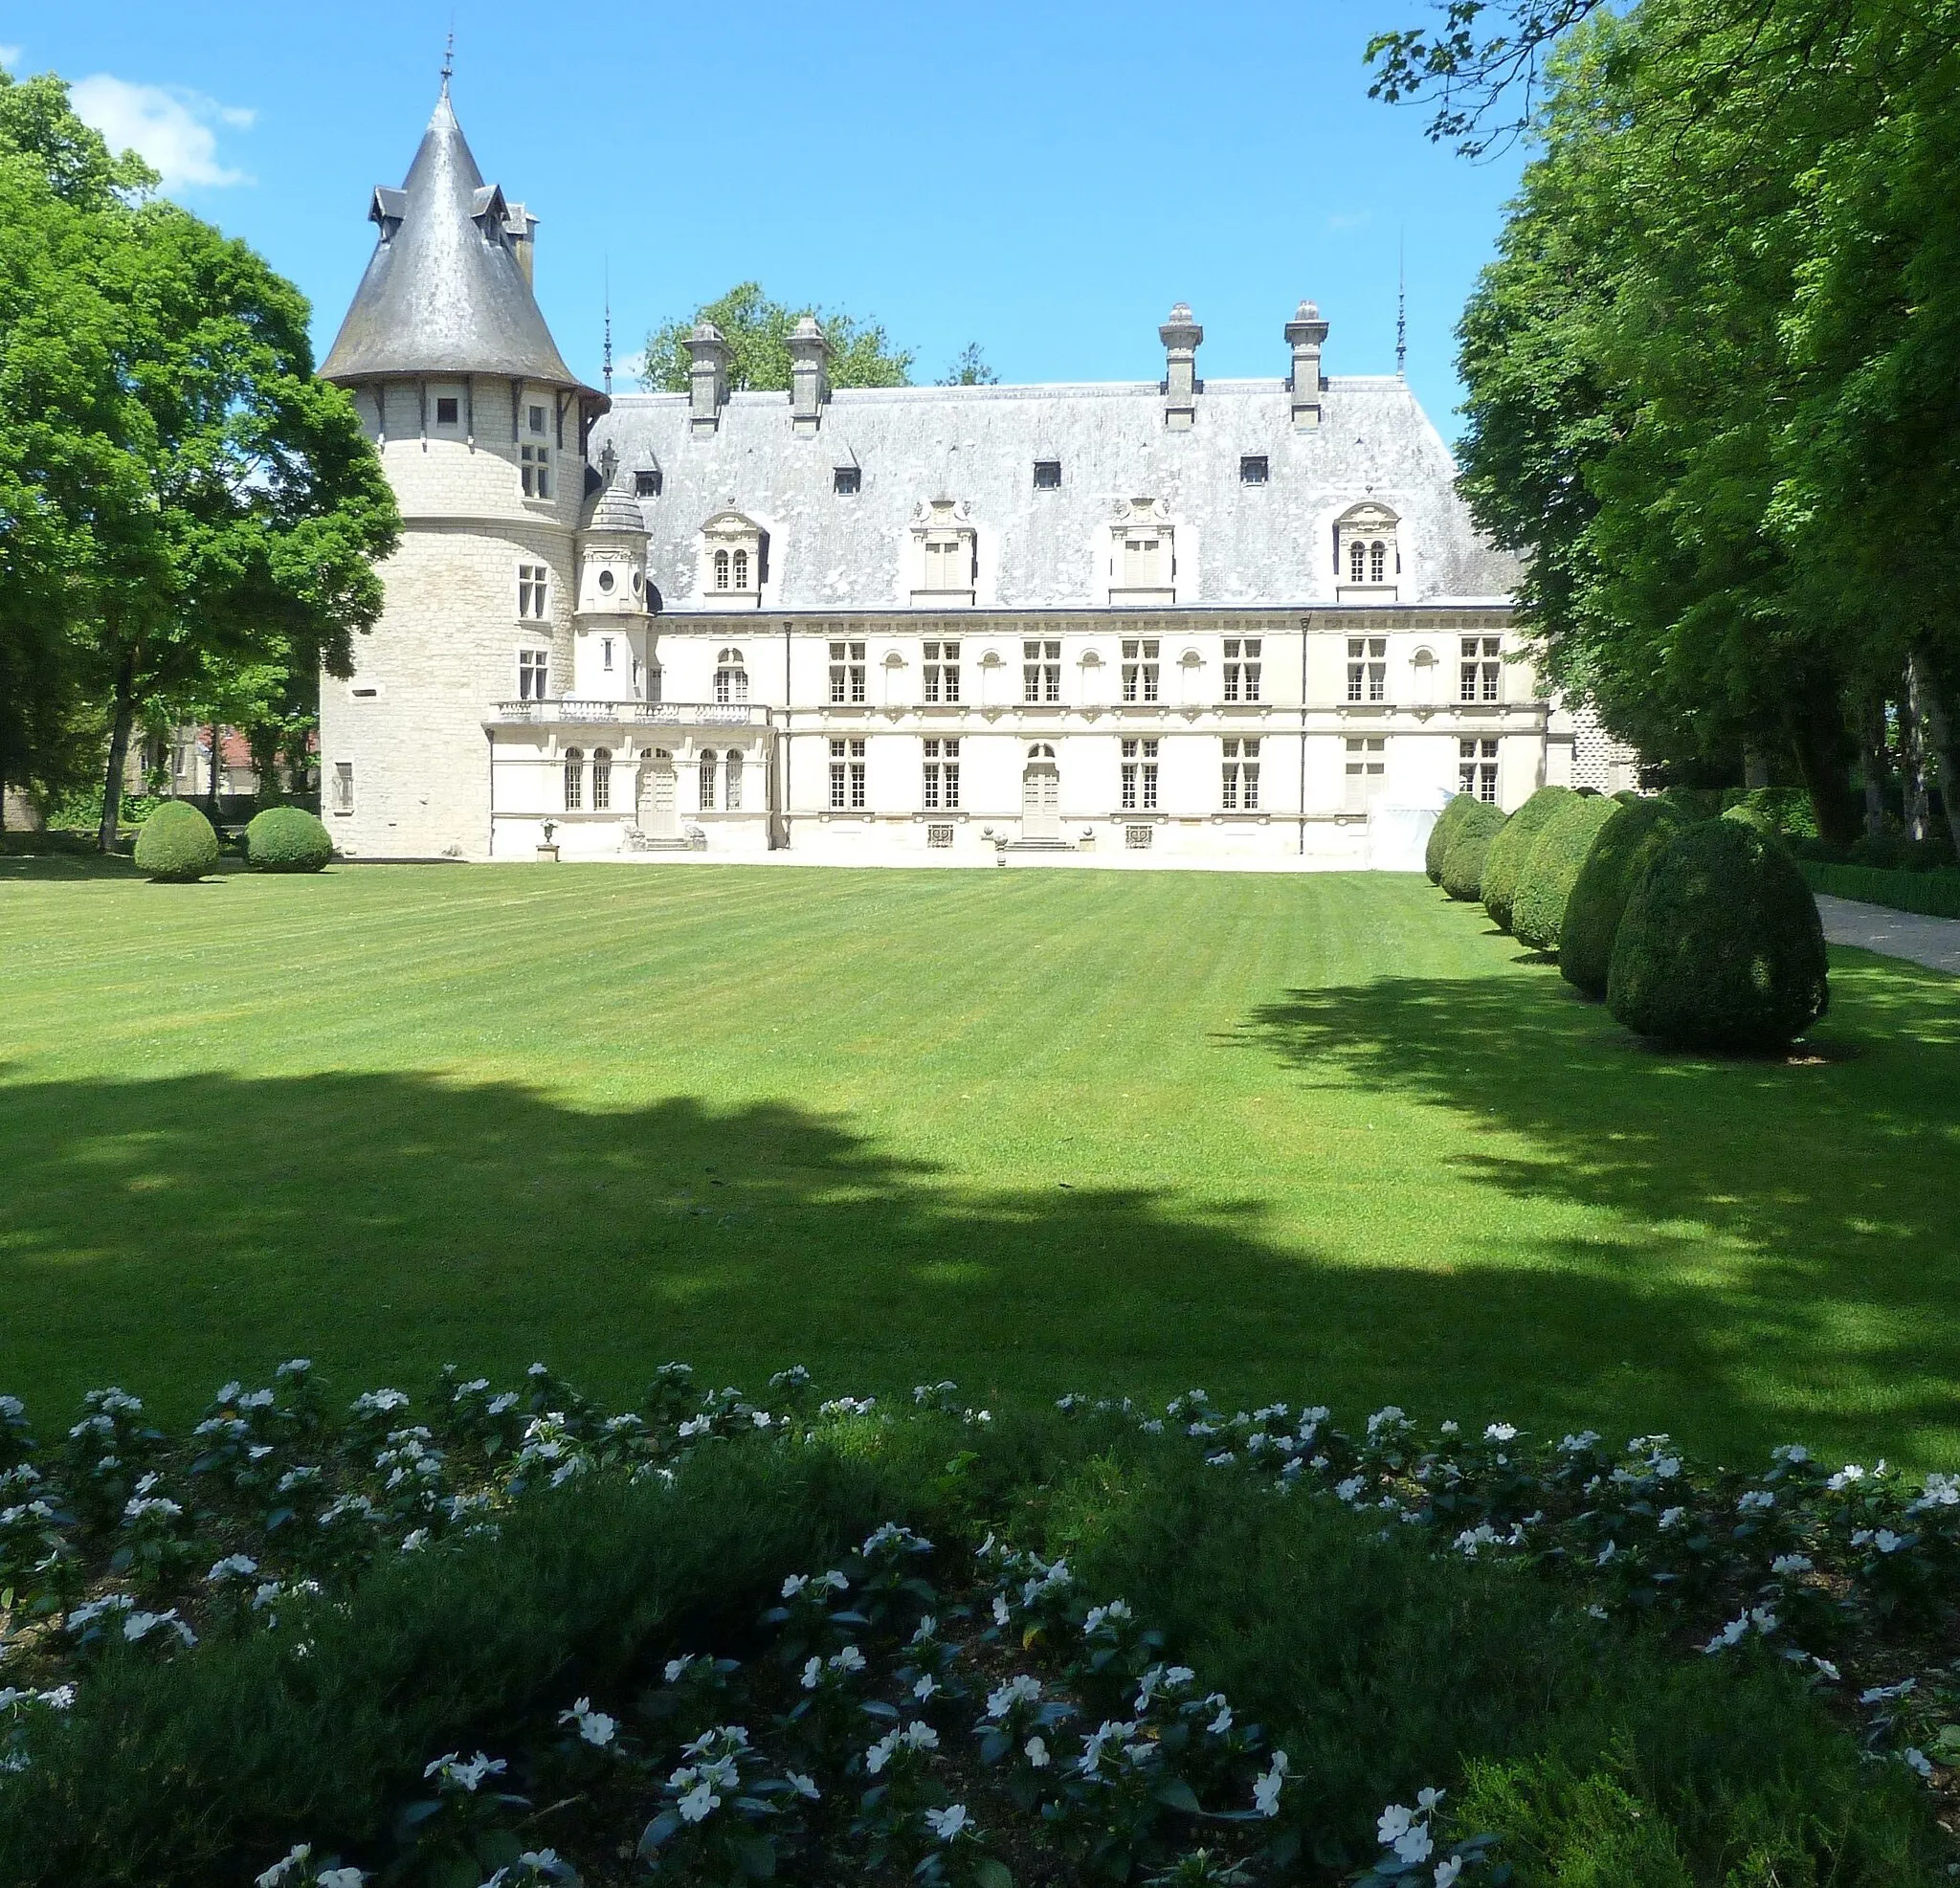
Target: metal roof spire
[(1401, 311), (608, 325), (448, 55)]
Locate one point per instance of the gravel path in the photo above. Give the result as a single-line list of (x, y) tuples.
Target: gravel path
[(1934, 942)]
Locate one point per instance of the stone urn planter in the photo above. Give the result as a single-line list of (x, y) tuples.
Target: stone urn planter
[(548, 852)]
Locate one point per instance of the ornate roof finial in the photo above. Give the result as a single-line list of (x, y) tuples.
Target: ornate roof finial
[(608, 325), (1401, 311), (449, 56)]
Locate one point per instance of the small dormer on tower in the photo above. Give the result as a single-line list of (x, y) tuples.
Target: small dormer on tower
[(1182, 338), (707, 378), (1306, 334), (810, 376), (613, 558)]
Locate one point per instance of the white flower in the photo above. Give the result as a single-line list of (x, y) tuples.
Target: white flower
[(1426, 1799), (1222, 1722), (232, 1566), (1501, 1432), (1448, 1869), (282, 1868), (1000, 1611), (850, 1660), (594, 1728), (947, 1823), (1917, 1759), (699, 1803), (802, 1785), (1392, 1823), (1021, 1689), (1785, 1565), (1886, 1542), (1035, 1751), (1671, 1518), (1754, 1498), (1414, 1845), (339, 1877), (813, 1672), (1347, 1490), (1265, 1790), (467, 1775)]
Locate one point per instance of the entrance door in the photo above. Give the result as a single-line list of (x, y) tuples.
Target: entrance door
[(657, 816), (1041, 795)]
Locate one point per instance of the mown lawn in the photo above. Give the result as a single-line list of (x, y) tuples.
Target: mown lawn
[(1322, 1138)]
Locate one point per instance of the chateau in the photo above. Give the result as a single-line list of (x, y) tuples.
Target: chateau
[(1171, 621)]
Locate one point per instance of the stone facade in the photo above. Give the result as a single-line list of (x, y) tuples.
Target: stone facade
[(1244, 620)]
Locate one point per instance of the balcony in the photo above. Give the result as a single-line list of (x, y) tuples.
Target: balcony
[(569, 712)]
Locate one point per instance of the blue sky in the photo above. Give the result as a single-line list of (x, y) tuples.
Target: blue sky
[(1045, 179)]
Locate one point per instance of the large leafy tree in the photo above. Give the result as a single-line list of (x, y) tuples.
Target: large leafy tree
[(188, 501), (757, 330)]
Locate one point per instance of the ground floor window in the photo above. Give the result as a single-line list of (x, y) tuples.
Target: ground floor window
[(731, 776), (1477, 769), (707, 781), (1239, 788), (941, 775), (574, 779), (847, 776), (1138, 781), (1367, 766), (343, 787), (602, 779)]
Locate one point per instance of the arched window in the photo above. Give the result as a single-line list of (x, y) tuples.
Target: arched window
[(574, 779), (731, 678), (721, 569), (731, 799), (708, 783), (1377, 563), (602, 779), (1357, 565), (741, 569)]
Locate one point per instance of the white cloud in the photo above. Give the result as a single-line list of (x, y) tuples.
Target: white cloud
[(170, 127), (11, 56)]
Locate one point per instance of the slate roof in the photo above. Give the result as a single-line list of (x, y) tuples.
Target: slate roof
[(1238, 545), (444, 292)]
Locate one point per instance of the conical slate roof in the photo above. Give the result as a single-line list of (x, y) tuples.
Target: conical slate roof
[(444, 292)]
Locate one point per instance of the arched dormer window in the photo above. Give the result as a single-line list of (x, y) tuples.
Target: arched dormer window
[(574, 779), (742, 570), (731, 678), (721, 569), (731, 796), (1368, 556), (734, 557), (707, 781)]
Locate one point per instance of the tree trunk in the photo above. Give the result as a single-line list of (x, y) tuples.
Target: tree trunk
[(1872, 729), (1940, 739), (211, 773), (118, 753), (1911, 762), (1822, 745)]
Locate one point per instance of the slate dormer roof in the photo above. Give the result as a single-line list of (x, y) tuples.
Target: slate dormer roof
[(445, 292)]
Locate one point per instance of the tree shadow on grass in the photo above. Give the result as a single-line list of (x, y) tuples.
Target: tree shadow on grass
[(171, 1233)]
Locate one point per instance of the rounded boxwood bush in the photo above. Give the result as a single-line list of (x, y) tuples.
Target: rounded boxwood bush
[(1557, 858), (1442, 833), (1720, 946), (1623, 850), (1509, 850), (1463, 863), (287, 839), (176, 844)]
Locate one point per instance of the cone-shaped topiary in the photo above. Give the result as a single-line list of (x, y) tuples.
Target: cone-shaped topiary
[(1463, 863), (1720, 946), (175, 844), (1557, 857), (1513, 847), (287, 839), (1623, 849), (1442, 833)]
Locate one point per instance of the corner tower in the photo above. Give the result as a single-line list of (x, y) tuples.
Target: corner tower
[(482, 428)]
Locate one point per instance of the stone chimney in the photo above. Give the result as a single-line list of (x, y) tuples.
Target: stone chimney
[(1306, 334), (522, 228), (809, 377), (708, 378), (1181, 336)]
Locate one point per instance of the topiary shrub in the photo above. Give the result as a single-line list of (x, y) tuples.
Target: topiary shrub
[(1720, 946), (1463, 863), (1557, 858), (287, 839), (1509, 852), (1623, 850), (1442, 833), (1693, 802), (176, 844)]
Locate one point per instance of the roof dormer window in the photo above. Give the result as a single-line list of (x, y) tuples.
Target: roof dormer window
[(1368, 556), (445, 409), (946, 549), (734, 559), (536, 419), (1048, 474), (846, 480)]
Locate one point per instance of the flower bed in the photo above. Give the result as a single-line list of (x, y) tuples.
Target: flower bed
[(716, 1639)]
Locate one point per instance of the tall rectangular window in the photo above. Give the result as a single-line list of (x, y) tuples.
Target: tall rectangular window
[(534, 464), (1140, 670), (1137, 782), (1477, 769), (531, 592), (606, 653), (1041, 672), (847, 673), (1242, 666), (1367, 769), (847, 776), (941, 775), (1368, 668), (1481, 669), (942, 672), (602, 779), (533, 673), (343, 787), (949, 564), (1239, 788)]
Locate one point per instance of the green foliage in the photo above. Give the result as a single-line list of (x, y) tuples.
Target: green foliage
[(1442, 833), (1465, 861), (969, 368), (1720, 946), (1617, 860), (757, 330), (176, 844), (1783, 810), (1931, 894), (1552, 868), (1509, 849), (287, 839), (1692, 803)]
